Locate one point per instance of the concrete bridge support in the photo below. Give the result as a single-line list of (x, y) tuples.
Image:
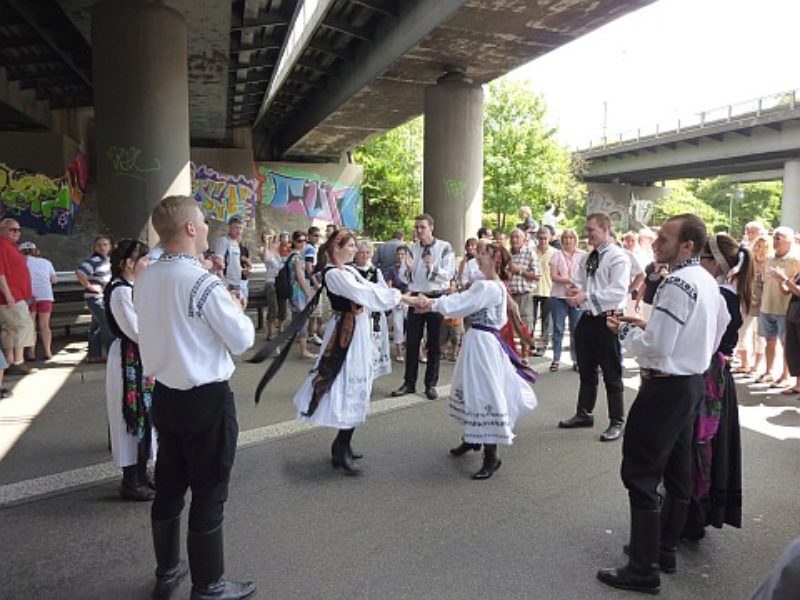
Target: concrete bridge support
[(141, 98), (790, 207), (453, 169)]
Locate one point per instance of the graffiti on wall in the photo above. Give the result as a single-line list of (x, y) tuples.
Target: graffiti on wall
[(46, 204), (223, 197), (312, 196)]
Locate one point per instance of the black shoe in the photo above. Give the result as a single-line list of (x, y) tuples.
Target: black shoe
[(131, 488), (667, 561), (464, 448), (342, 458), (207, 563), (431, 393), (224, 590), (614, 432), (626, 578), (579, 420), (488, 468), (402, 391)]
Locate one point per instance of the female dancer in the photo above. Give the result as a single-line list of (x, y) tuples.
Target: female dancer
[(490, 385), (717, 472), (128, 393), (382, 356), (337, 391)]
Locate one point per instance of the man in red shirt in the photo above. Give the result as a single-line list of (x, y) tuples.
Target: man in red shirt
[(15, 291)]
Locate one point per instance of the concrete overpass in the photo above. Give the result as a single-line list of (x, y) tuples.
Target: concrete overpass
[(751, 141), (280, 79)]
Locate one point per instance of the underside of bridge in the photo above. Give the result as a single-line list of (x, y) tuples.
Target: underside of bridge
[(311, 82)]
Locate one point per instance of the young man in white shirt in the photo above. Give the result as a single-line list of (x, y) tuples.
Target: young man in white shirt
[(189, 325), (672, 349)]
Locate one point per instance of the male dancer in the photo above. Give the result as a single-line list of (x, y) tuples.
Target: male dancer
[(188, 326), (673, 349), (601, 290), (431, 271)]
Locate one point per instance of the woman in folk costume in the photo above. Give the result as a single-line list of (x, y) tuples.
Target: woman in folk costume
[(382, 358), (490, 385), (128, 392), (717, 469), (337, 391)]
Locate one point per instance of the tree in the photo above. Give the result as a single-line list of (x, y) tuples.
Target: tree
[(523, 163), (392, 179), (756, 202), (681, 200)]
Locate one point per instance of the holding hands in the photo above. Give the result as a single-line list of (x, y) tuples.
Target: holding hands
[(421, 304)]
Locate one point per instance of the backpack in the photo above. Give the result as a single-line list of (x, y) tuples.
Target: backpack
[(283, 280)]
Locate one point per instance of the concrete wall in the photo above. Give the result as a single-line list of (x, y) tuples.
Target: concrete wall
[(627, 205), (42, 152)]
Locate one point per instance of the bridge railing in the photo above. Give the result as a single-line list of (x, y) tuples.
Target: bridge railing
[(757, 107)]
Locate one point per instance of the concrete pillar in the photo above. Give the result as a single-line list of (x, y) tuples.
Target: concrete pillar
[(141, 99), (790, 207), (453, 168)]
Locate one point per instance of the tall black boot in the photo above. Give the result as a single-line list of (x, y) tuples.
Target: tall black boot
[(342, 454), (131, 488), (207, 563), (490, 462), (587, 396), (673, 518), (170, 569), (641, 572)]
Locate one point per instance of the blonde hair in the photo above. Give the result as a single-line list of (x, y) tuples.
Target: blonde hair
[(569, 233), (171, 214)]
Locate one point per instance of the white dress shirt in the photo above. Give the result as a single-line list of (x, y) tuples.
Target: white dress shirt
[(437, 278), (188, 323), (607, 288), (688, 321)]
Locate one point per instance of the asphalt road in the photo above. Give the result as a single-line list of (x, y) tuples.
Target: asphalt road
[(412, 526)]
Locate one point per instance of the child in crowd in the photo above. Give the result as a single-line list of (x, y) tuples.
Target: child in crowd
[(452, 332)]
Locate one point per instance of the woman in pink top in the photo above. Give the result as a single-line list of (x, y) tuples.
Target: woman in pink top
[(563, 267)]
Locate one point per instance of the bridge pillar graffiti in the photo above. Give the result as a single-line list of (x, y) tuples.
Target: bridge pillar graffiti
[(629, 206), (453, 169), (141, 99)]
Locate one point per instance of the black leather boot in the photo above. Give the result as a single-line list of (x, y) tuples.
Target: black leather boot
[(144, 477), (641, 572), (170, 569), (580, 419), (490, 462), (131, 488), (587, 396), (207, 563), (673, 518), (342, 453), (614, 431), (464, 447)]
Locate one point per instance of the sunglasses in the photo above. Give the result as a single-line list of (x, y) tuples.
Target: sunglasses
[(15, 228)]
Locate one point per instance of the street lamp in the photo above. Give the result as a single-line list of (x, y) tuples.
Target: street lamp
[(736, 194)]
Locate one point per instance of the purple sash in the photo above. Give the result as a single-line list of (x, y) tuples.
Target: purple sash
[(522, 370)]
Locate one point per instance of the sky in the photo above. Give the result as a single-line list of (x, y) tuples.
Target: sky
[(671, 59)]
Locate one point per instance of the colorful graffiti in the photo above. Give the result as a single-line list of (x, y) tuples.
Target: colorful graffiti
[(46, 204), (223, 197), (313, 197)]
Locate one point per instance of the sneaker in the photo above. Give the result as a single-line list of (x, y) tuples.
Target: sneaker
[(310, 355), (315, 339), (20, 369)]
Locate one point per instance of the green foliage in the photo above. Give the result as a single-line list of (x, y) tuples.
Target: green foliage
[(523, 163), (392, 179), (714, 199), (681, 200)]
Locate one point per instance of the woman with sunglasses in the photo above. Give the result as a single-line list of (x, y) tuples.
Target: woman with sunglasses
[(128, 392)]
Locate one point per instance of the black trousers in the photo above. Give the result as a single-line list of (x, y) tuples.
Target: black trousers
[(197, 432), (596, 346), (414, 330), (658, 439), (541, 310)]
